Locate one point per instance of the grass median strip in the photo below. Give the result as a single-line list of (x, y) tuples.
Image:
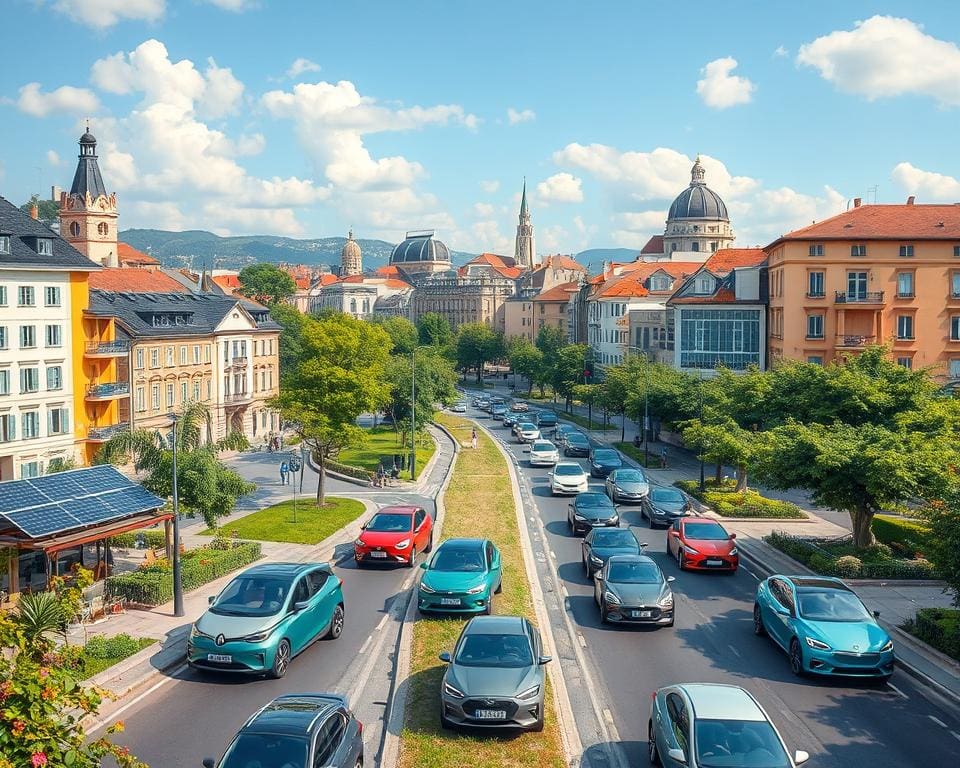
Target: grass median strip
[(313, 525), (479, 504), (383, 441)]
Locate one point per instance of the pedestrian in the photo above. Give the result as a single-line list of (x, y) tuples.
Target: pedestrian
[(663, 457), (473, 439), (284, 469), (378, 480)]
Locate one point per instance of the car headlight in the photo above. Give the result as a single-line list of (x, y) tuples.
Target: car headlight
[(195, 633), (402, 544), (817, 644), (659, 512), (529, 693), (258, 637), (690, 550), (666, 602), (887, 647), (734, 551), (595, 559), (427, 589), (578, 517), (476, 590), (359, 543), (618, 489), (609, 597), (451, 691)]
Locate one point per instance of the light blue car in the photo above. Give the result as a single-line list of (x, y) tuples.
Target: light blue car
[(823, 627), (266, 616)]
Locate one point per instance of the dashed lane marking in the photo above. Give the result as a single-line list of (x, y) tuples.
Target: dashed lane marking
[(563, 590), (734, 649), (366, 644), (938, 721), (581, 640), (897, 690), (955, 735), (608, 715)]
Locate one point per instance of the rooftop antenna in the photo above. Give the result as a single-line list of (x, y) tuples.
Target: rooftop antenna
[(874, 189)]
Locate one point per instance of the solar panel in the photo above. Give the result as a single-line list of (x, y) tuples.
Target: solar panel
[(88, 510), (43, 520), (17, 495)]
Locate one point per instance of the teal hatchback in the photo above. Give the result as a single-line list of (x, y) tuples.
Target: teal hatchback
[(266, 616), (461, 577)]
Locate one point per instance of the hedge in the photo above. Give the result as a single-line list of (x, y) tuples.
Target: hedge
[(726, 503), (906, 536), (939, 627), (156, 539), (346, 469), (153, 585)]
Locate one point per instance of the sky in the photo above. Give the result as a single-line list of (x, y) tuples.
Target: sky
[(305, 118)]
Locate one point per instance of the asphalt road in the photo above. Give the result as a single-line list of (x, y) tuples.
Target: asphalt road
[(839, 723)]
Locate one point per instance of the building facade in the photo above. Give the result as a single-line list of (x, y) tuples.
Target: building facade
[(525, 248), (518, 318), (549, 307), (463, 299), (88, 214)]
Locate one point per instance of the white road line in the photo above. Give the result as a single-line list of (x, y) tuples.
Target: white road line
[(955, 735), (115, 715), (750, 572), (382, 622), (553, 554), (581, 640), (897, 690), (366, 643), (563, 589), (938, 721), (608, 715), (735, 651)]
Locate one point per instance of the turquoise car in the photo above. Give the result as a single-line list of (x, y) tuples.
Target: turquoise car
[(462, 577), (266, 616)]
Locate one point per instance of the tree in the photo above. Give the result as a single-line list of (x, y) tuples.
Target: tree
[(403, 334), (615, 387), (290, 350), (526, 360), (587, 394), (340, 375), (722, 442), (942, 546), (673, 395), (48, 211), (550, 340), (568, 369), (267, 283), (436, 382), (434, 330), (477, 344)]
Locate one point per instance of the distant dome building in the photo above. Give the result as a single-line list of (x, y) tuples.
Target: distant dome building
[(421, 252), (698, 221), (351, 258)]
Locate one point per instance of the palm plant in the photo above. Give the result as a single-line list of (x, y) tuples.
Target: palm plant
[(40, 613)]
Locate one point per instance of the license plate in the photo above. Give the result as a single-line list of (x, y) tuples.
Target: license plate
[(378, 554), (642, 614), (491, 714), (220, 658), (449, 601), (714, 562)]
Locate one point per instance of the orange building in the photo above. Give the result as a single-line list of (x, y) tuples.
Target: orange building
[(887, 274)]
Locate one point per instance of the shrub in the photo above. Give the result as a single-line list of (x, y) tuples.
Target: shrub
[(821, 563), (346, 469), (909, 534), (848, 567), (155, 539), (840, 558), (117, 647), (901, 569), (939, 627), (750, 504)]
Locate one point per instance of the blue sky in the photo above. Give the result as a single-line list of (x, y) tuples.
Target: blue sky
[(405, 115)]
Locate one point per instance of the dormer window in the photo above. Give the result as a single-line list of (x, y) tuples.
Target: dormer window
[(659, 283), (45, 246), (704, 284), (4, 243)]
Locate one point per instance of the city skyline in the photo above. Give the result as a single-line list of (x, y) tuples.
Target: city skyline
[(386, 121)]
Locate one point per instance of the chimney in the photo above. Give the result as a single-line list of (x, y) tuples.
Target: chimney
[(911, 199), (856, 202), (34, 210)]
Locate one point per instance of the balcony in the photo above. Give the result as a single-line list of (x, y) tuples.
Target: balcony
[(113, 391), (866, 297), (239, 362), (238, 398), (853, 342), (102, 434), (106, 348)]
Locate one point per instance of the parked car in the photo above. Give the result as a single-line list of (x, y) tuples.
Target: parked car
[(603, 461), (461, 577), (591, 510), (702, 725), (297, 729), (600, 544), (543, 453), (664, 505), (394, 535), (823, 626), (527, 432), (568, 477), (576, 444), (631, 589), (561, 432), (547, 420), (459, 407), (627, 485), (266, 616), (495, 675), (703, 545)]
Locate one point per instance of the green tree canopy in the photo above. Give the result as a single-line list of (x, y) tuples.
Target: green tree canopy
[(436, 382), (267, 283), (292, 322), (434, 330), (568, 369), (403, 334), (942, 546), (526, 360), (477, 344), (48, 211)]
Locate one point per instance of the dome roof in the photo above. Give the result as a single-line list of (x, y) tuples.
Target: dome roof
[(698, 201), (88, 138), (418, 247), (351, 248)]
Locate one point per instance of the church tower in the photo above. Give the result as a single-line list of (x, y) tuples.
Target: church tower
[(351, 259), (525, 251), (88, 215)]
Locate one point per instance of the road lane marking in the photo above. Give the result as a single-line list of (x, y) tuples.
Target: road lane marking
[(735, 651), (608, 715), (563, 589), (897, 690), (115, 715), (553, 554), (756, 578), (938, 721), (366, 643), (955, 735), (581, 640)]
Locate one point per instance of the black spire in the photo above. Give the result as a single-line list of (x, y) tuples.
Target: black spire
[(88, 178)]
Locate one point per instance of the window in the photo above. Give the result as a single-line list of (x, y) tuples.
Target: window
[(54, 336), (183, 354), (141, 400), (955, 328), (856, 286), (816, 249), (209, 389), (196, 354), (955, 369), (28, 336), (704, 284), (170, 357), (905, 285), (155, 357), (54, 377), (905, 326), (139, 358), (660, 283), (906, 251), (74, 229), (815, 326), (29, 380), (694, 246), (905, 362), (713, 246), (169, 395), (8, 426), (4, 244), (184, 391), (51, 296), (4, 381), (45, 246), (815, 359), (58, 421), (955, 285), (956, 255), (103, 229), (206, 353), (196, 391), (30, 425), (29, 469), (155, 397), (858, 250), (3, 337), (815, 284), (25, 297), (3, 295)]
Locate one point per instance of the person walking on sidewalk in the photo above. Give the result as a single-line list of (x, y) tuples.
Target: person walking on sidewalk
[(284, 470), (473, 439), (663, 457)]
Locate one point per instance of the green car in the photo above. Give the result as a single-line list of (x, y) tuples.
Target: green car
[(266, 616), (461, 577)]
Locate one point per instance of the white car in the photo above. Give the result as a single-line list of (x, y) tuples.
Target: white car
[(459, 408), (568, 477), (527, 433), (543, 453)]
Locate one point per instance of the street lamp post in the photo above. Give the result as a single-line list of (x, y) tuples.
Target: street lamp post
[(702, 483), (295, 466), (646, 415), (177, 579), (413, 415)]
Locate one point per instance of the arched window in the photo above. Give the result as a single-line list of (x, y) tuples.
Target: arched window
[(103, 229), (74, 229), (353, 306)]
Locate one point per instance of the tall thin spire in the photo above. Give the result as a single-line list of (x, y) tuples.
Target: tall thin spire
[(524, 211), (525, 250)]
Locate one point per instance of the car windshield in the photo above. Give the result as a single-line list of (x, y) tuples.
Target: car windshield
[(630, 476), (543, 447), (576, 437), (252, 596), (605, 455), (390, 522), (634, 573), (746, 743), (266, 750), (666, 495), (593, 500), (705, 531), (495, 651), (568, 469), (459, 560), (831, 605), (526, 426), (614, 538)]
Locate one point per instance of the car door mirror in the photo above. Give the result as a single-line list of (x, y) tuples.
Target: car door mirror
[(800, 756), (671, 579), (876, 614), (598, 575), (302, 605), (424, 566), (444, 657), (211, 599), (208, 762), (733, 536), (677, 755), (544, 660)]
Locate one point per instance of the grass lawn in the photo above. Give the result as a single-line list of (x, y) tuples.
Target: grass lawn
[(313, 525), (629, 449), (383, 441), (102, 653), (479, 503)]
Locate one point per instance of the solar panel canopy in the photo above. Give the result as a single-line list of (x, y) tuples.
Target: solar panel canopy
[(80, 498)]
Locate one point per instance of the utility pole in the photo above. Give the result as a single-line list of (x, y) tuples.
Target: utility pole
[(646, 414), (413, 415), (702, 483), (177, 579)]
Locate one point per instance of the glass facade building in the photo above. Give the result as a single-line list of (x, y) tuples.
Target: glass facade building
[(710, 338)]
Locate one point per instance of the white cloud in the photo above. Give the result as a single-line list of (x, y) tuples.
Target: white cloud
[(101, 14), (928, 185), (720, 89), (53, 158), (484, 210), (560, 188), (65, 99), (520, 116), (780, 51), (490, 185), (886, 56), (237, 6), (223, 92), (302, 65), (553, 239)]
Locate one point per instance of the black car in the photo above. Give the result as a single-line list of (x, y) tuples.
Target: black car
[(297, 729), (600, 544), (631, 589), (561, 432), (576, 444), (546, 420), (603, 461), (664, 505), (591, 510)]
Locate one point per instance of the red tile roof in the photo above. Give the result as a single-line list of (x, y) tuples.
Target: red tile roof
[(727, 259), (559, 261), (885, 222), (388, 271), (631, 282), (228, 282), (134, 280), (489, 258), (302, 283), (559, 293), (327, 279), (397, 284), (128, 255), (722, 296), (654, 245)]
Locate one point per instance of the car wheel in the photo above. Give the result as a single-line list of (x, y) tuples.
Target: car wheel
[(359, 762), (429, 547), (537, 727), (573, 531), (796, 658), (652, 754), (603, 614), (586, 567), (336, 624), (681, 560), (651, 523), (758, 629), (413, 558), (488, 608), (281, 660)]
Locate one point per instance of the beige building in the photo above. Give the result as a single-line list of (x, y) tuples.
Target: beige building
[(550, 307), (88, 214), (518, 318)]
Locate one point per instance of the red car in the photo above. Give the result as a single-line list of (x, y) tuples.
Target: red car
[(702, 544), (395, 535)]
